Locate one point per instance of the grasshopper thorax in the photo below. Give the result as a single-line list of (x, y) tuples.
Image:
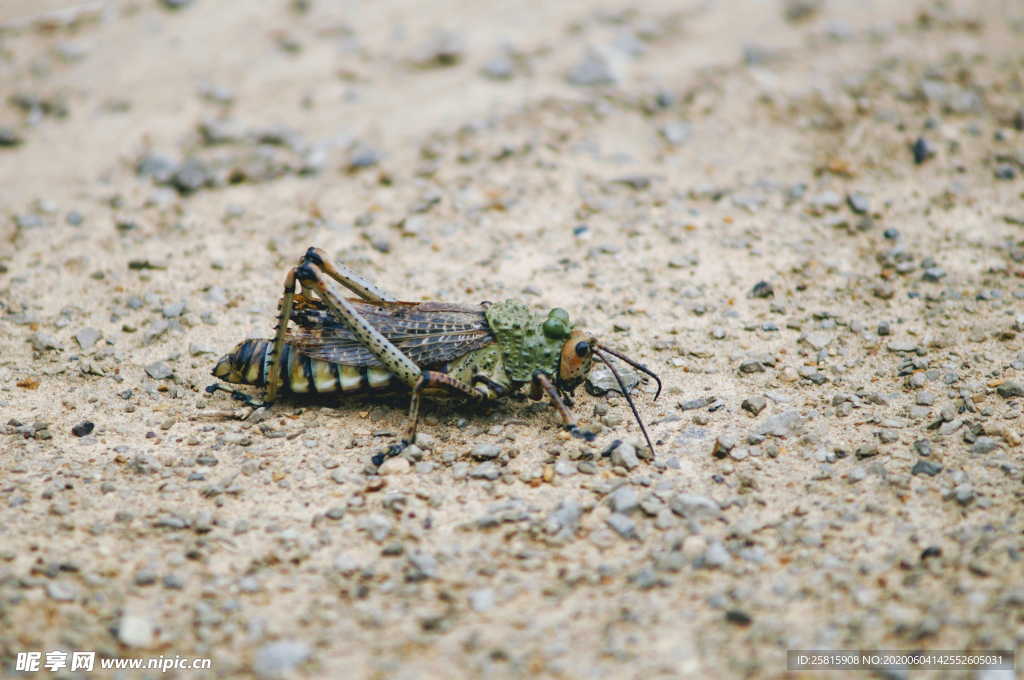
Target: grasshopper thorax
[(528, 342)]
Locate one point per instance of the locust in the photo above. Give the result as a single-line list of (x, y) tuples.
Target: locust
[(327, 343)]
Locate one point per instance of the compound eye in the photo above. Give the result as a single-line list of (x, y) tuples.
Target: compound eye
[(582, 348)]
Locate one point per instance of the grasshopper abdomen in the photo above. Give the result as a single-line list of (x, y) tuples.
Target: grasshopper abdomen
[(247, 364)]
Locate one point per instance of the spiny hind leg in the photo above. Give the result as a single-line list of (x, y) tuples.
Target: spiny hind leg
[(340, 273), (356, 283), (284, 314), (393, 359)]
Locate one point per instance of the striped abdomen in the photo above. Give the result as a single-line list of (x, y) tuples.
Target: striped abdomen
[(249, 364)]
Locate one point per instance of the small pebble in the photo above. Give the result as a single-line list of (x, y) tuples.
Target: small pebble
[(624, 500), (716, 556), (500, 67), (481, 600), (921, 150), (622, 525), (280, 658), (486, 470), (926, 467), (625, 456), (964, 494), (485, 451), (82, 429), (984, 445), (9, 137), (87, 337), (159, 370), (396, 465), (61, 591), (592, 71), (858, 202), (1010, 388), (754, 405), (135, 631)]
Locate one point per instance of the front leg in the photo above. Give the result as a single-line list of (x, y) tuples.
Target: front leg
[(541, 385)]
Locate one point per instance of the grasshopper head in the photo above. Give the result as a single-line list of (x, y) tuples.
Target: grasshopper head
[(576, 360), (578, 354)]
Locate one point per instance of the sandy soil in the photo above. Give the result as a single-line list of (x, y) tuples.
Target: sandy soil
[(839, 453)]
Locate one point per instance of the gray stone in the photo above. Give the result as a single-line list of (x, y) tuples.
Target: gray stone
[(159, 370), (565, 517), (724, 443), (279, 658), (623, 526), (174, 310), (485, 451), (751, 366), (858, 202), (624, 500), (486, 470), (809, 373), (397, 465), (61, 591), (926, 467), (625, 456), (500, 67), (481, 600), (603, 380), (1010, 388), (819, 340), (826, 200), (675, 133), (781, 425), (87, 337), (694, 404), (423, 565), (44, 341), (196, 349), (985, 445), (964, 494), (593, 70), (754, 405), (716, 556), (564, 468), (135, 631), (694, 506)]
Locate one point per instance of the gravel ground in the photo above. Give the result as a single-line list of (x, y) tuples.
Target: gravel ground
[(806, 216)]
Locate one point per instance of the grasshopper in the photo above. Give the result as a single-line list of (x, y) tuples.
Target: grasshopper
[(373, 342)]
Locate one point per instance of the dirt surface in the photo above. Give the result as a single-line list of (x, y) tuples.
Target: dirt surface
[(838, 448)]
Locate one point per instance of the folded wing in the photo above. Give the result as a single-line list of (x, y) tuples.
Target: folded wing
[(429, 333)]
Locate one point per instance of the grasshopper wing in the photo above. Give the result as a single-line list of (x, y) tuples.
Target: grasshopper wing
[(429, 333)]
